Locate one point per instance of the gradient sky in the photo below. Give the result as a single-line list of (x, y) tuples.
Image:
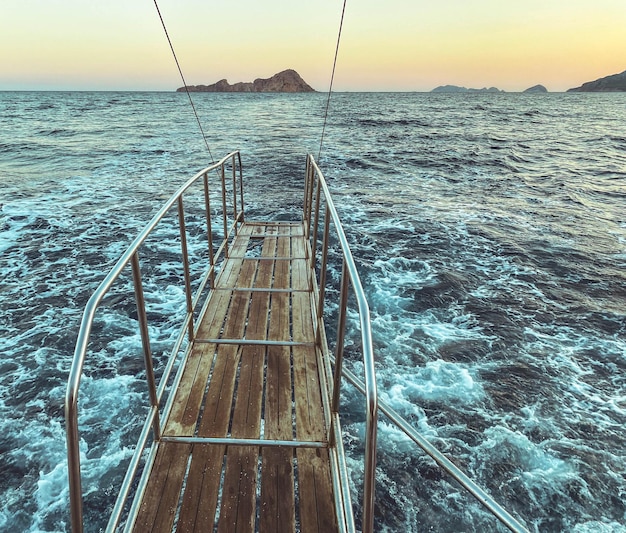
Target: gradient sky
[(396, 45)]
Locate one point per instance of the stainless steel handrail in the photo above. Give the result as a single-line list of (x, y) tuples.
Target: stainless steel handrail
[(316, 188), (317, 197), (312, 210), (80, 353), (454, 471)]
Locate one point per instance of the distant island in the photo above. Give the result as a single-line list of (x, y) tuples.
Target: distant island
[(608, 84), (287, 81), (457, 89), (536, 89)]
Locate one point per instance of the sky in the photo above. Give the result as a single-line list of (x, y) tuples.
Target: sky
[(395, 45)]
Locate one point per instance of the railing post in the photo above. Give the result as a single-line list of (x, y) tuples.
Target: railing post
[(145, 342), (305, 206), (323, 266), (223, 176), (309, 201), (209, 231), (184, 250), (316, 223), (73, 465), (235, 213), (240, 183), (369, 473), (341, 334)]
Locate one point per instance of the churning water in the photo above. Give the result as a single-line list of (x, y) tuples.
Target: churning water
[(490, 233)]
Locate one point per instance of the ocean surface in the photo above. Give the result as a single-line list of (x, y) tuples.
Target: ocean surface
[(490, 234)]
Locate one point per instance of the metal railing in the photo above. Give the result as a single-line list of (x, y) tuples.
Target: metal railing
[(317, 195), (319, 215), (131, 256), (316, 190)]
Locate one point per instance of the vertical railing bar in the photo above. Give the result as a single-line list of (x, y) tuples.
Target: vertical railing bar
[(306, 212), (318, 197), (73, 464), (341, 333), (310, 192), (240, 183), (186, 272), (305, 218), (145, 342), (207, 207), (235, 212), (323, 267), (371, 431), (224, 209)]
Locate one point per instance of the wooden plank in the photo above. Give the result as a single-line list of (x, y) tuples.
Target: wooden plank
[(278, 412), (158, 507), (299, 264), (277, 482), (238, 510), (277, 491), (201, 492), (197, 513), (317, 512), (309, 415), (258, 381), (186, 405), (282, 270), (317, 509)]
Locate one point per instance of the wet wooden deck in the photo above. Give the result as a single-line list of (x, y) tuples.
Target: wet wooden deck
[(271, 388)]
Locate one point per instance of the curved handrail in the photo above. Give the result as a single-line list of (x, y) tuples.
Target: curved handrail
[(80, 352), (370, 391), (454, 471), (350, 276)]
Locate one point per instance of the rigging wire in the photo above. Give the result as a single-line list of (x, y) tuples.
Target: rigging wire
[(332, 77), (193, 107), (182, 77)]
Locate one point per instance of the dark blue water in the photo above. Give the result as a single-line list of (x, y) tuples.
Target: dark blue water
[(490, 232)]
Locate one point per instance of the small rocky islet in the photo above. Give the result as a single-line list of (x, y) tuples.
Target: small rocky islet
[(287, 81)]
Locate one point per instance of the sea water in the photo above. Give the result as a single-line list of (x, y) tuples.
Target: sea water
[(490, 235)]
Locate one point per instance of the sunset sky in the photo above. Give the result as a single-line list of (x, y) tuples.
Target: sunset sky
[(397, 45)]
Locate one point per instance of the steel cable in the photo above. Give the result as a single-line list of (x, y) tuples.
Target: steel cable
[(182, 77), (332, 77)]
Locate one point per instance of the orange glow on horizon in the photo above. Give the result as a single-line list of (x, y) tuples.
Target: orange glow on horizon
[(399, 46)]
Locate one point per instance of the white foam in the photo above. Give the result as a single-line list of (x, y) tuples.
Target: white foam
[(595, 526), (535, 461), (440, 381), (51, 495), (399, 201), (399, 272), (108, 411)]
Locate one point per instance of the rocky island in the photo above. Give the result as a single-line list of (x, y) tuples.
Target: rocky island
[(287, 81), (536, 89), (608, 84), (457, 89)]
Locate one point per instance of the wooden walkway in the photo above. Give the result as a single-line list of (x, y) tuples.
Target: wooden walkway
[(271, 388)]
